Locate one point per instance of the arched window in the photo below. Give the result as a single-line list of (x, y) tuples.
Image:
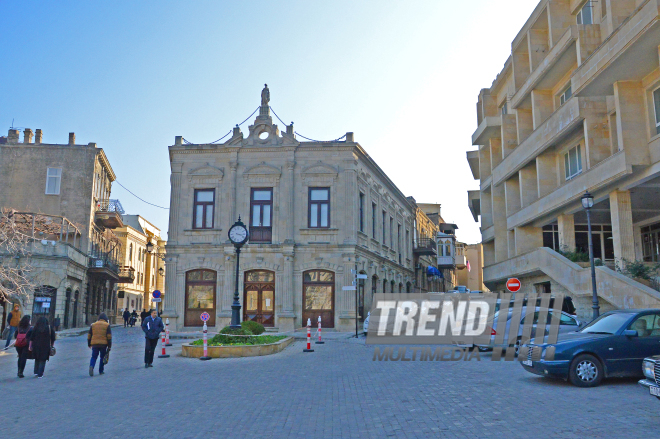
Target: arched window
[(400, 288), (384, 286), (200, 296)]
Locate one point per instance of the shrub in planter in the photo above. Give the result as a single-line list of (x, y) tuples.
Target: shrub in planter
[(231, 331), (255, 328), (637, 269)]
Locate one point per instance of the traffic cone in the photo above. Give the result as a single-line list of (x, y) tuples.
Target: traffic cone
[(309, 336), (319, 331)]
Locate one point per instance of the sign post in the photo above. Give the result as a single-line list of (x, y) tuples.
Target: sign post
[(205, 316), (156, 298)]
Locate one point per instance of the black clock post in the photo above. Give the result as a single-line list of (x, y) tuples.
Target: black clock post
[(239, 236)]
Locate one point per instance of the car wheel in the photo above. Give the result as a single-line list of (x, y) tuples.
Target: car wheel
[(585, 371)]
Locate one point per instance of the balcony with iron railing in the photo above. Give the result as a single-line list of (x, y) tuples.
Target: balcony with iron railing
[(104, 253), (425, 246), (126, 274), (108, 214)]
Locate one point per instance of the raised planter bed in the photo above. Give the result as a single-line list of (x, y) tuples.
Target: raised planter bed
[(189, 350)]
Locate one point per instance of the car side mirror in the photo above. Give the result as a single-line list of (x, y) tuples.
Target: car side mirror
[(630, 333)]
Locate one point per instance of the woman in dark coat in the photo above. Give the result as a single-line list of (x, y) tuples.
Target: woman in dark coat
[(22, 344), (41, 338)]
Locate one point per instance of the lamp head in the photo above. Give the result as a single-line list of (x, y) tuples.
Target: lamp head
[(587, 200), (150, 247)]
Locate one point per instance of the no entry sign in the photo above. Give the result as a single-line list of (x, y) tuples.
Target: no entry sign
[(513, 284), (205, 316)]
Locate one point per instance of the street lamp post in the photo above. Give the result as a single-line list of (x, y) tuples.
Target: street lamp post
[(239, 236), (588, 203)]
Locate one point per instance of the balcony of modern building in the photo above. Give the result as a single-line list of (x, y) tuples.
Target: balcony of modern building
[(108, 214), (628, 53)]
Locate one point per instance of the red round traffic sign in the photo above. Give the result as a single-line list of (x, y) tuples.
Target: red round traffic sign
[(205, 316), (513, 284)]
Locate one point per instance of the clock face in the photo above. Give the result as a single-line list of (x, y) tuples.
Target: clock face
[(238, 234)]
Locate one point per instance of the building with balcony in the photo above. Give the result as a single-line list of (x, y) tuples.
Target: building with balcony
[(141, 271), (316, 211), (575, 108), (425, 251), (72, 181)]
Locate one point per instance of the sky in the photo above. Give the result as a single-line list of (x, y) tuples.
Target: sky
[(404, 76)]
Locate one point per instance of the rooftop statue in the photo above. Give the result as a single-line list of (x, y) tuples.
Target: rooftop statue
[(265, 96)]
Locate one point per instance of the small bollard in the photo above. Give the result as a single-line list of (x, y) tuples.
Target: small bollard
[(319, 331), (167, 333), (309, 336), (206, 349), (162, 342)]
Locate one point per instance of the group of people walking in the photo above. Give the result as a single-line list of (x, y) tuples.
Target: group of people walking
[(32, 342), (38, 342)]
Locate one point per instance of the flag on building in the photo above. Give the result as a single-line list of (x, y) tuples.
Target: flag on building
[(468, 265)]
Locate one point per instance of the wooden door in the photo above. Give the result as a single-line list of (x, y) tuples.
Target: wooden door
[(319, 298), (259, 297)]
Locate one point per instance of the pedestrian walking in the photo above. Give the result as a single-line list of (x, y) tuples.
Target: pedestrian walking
[(41, 340), (13, 318), (21, 344), (152, 327), (99, 339), (126, 316), (143, 315)]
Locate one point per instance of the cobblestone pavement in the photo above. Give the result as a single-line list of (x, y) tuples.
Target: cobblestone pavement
[(337, 391)]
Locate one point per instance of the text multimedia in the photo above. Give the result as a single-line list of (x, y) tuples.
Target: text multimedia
[(440, 353)]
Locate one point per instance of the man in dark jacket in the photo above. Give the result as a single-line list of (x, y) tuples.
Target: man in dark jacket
[(99, 339), (126, 316), (152, 327)]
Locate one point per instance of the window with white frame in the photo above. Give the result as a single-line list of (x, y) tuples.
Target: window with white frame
[(656, 107), (573, 162), (566, 95), (585, 15), (53, 180), (504, 108)]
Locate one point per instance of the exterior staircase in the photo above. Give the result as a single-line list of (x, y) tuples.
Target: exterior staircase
[(615, 289)]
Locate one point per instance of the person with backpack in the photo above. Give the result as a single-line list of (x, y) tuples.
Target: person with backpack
[(21, 344), (41, 339), (99, 339), (152, 327), (13, 318)]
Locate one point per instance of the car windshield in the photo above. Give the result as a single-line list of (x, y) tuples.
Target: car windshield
[(607, 324)]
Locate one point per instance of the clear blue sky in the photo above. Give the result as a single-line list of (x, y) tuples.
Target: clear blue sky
[(403, 75)]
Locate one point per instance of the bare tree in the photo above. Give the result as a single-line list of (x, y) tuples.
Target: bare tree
[(16, 271)]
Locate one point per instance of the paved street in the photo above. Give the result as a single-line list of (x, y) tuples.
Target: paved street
[(337, 391)]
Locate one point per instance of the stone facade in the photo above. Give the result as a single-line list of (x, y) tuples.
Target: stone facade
[(576, 108), (145, 266), (72, 181), (299, 257)]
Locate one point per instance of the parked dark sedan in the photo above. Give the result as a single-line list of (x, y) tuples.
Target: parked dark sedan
[(651, 369), (613, 345)]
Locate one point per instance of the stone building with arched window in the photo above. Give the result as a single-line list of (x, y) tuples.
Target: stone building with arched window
[(316, 211)]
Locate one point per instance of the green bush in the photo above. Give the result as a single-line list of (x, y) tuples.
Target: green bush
[(232, 331), (637, 269), (574, 255), (254, 327), (228, 340)]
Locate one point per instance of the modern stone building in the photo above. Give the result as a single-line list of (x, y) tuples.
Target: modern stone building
[(315, 210), (73, 182), (575, 108), (147, 269)]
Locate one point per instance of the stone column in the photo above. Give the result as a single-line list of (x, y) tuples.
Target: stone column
[(285, 292), (290, 192), (346, 299), (622, 226), (529, 191), (227, 291), (170, 299), (528, 239), (350, 204), (546, 173), (566, 226), (231, 198), (542, 106), (499, 222), (512, 190), (175, 203), (632, 131)]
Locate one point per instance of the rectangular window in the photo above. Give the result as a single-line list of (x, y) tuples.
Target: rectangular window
[(53, 180), (585, 15), (361, 212), (573, 162), (505, 108), (203, 208), (384, 227), (392, 233), (319, 207), (373, 220), (398, 238), (551, 237), (656, 106), (566, 95), (261, 214)]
